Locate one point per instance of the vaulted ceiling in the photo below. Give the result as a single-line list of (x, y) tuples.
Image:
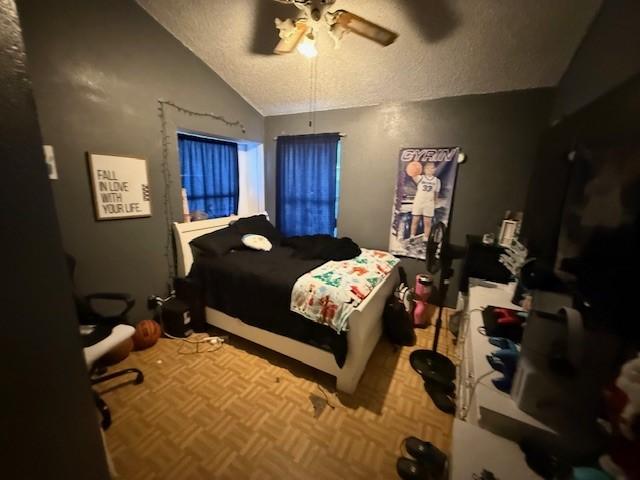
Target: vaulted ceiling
[(445, 48)]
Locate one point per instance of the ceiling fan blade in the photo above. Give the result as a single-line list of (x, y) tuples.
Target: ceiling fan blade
[(263, 40), (365, 28), (289, 42)]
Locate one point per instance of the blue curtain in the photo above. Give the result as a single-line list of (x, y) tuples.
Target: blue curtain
[(306, 184), (209, 170)]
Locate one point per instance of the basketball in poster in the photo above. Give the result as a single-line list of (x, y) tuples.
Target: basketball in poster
[(423, 197)]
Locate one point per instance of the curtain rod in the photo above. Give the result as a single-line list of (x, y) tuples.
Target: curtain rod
[(341, 135)]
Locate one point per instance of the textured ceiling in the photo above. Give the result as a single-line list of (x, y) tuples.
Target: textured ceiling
[(446, 48)]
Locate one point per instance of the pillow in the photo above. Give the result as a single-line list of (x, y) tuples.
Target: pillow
[(256, 242), (219, 242), (258, 225)]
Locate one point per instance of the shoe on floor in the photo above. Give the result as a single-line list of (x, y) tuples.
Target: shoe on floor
[(411, 470), (441, 395), (428, 455)]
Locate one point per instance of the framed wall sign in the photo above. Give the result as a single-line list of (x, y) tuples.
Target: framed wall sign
[(120, 186)]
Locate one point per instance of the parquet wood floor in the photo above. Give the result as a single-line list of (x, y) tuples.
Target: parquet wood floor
[(245, 412)]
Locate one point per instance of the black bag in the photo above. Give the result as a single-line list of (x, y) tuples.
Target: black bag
[(398, 325)]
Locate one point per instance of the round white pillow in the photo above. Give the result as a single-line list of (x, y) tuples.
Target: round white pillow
[(256, 242)]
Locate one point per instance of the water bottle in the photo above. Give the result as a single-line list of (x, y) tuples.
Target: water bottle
[(422, 292)]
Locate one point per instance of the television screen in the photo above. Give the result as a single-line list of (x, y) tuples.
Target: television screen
[(598, 242)]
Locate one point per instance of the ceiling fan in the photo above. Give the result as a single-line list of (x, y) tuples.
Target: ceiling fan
[(300, 33)]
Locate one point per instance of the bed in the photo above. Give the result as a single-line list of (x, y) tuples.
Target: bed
[(365, 323)]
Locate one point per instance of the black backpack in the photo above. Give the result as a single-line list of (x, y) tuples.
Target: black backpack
[(398, 324)]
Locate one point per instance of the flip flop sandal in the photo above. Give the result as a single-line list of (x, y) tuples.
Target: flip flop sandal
[(411, 470), (449, 388), (441, 396), (427, 454)]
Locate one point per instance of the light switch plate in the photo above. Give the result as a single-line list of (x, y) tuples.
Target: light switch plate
[(50, 160)]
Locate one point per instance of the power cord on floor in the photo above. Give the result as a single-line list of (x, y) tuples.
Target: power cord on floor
[(468, 318), (465, 412), (453, 356), (213, 341), (326, 397), (464, 332)]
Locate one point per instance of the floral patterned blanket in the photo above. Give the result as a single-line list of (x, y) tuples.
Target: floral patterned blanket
[(331, 292)]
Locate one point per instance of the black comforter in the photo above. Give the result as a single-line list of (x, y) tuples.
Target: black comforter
[(256, 286), (322, 247)]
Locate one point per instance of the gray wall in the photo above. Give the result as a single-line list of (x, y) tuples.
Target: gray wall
[(98, 69), (49, 423), (608, 56), (498, 132)]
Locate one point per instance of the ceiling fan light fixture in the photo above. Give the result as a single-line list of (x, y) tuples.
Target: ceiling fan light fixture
[(337, 32), (300, 34), (290, 34), (307, 46)]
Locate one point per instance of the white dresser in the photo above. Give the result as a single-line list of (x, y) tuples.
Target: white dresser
[(488, 421)]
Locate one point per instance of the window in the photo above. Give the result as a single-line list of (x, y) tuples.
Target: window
[(209, 171), (307, 183)]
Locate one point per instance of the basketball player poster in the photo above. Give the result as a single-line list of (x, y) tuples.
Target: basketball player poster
[(424, 192)]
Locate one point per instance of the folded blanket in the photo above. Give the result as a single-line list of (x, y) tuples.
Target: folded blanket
[(332, 291), (322, 247)]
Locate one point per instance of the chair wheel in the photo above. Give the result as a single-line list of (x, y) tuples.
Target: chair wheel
[(139, 378)]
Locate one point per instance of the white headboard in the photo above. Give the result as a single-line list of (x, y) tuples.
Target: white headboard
[(183, 233)]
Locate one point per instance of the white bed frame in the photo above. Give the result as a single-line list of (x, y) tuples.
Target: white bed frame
[(365, 324)]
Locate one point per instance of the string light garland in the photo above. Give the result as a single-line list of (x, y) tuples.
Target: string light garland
[(166, 171), (213, 116)]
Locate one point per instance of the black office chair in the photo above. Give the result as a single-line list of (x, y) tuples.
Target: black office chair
[(100, 333)]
